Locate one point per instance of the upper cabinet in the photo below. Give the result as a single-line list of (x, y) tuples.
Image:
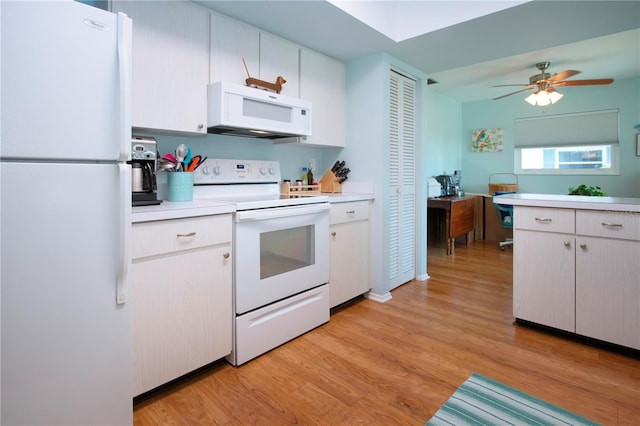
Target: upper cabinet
[(231, 42), (267, 56), (323, 82), (170, 65)]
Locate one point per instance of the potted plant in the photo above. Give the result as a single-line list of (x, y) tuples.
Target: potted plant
[(591, 191)]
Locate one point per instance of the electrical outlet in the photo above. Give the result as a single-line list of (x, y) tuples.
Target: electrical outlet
[(312, 164)]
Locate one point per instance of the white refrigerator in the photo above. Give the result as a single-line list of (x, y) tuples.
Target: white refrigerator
[(65, 206)]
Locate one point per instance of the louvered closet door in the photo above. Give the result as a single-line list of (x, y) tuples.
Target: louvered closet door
[(402, 148)]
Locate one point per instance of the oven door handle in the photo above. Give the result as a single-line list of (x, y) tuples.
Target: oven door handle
[(278, 212)]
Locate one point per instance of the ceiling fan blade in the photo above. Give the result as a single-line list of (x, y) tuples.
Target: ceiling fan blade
[(584, 82), (513, 93), (563, 75), (508, 85)]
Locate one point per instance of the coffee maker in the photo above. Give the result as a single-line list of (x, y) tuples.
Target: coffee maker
[(144, 155)]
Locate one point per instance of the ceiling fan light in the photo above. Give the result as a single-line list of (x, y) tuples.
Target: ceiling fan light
[(532, 98), (555, 96), (543, 98)]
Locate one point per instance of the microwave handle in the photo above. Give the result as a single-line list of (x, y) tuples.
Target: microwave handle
[(275, 213)]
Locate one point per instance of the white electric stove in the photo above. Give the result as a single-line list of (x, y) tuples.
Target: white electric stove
[(281, 254)]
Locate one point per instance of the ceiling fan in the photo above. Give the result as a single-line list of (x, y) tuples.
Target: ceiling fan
[(545, 84)]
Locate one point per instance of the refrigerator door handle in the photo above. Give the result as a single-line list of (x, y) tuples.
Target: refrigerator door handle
[(124, 245), (125, 73)]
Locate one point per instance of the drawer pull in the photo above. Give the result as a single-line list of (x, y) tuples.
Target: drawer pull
[(567, 244), (190, 234), (583, 246), (351, 212), (612, 225), (333, 234), (226, 255), (543, 220)]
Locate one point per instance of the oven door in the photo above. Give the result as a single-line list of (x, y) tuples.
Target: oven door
[(279, 252)]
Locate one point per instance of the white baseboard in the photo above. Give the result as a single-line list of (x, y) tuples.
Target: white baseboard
[(380, 298)]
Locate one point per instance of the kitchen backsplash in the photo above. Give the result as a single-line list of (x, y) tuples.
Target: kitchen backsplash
[(291, 157)]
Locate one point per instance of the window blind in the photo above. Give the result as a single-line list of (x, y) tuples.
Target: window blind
[(584, 128)]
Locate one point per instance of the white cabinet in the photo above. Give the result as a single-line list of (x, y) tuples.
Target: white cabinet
[(232, 42), (544, 267), (181, 296), (267, 56), (170, 65), (608, 277), (577, 270), (323, 82), (349, 251)]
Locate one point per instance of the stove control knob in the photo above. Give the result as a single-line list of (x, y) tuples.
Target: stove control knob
[(263, 171), (206, 170), (271, 170), (217, 170)]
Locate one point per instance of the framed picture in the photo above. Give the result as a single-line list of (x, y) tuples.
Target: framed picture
[(486, 140)]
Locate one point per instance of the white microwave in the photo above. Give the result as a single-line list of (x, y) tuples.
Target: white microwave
[(239, 110)]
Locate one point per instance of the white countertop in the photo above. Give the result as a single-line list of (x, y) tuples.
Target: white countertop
[(178, 210), (570, 201), (348, 196)]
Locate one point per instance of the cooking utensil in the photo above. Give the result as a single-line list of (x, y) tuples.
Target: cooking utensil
[(195, 161), (165, 165), (170, 157), (181, 153), (187, 158)]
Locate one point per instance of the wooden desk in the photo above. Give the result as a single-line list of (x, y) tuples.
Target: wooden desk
[(459, 216)]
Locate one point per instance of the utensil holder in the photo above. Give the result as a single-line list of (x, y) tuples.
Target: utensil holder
[(330, 183), (180, 186)]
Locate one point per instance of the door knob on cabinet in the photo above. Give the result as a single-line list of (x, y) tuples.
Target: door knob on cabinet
[(333, 234), (583, 246), (226, 255), (567, 244)]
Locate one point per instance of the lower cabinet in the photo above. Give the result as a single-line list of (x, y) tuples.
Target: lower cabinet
[(182, 297), (349, 251), (577, 270)]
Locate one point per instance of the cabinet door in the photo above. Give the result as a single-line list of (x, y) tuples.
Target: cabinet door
[(323, 82), (349, 262), (280, 57), (181, 314), (231, 42), (608, 290), (544, 278), (170, 65)]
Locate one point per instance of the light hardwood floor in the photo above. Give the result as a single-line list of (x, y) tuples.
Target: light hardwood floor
[(396, 363)]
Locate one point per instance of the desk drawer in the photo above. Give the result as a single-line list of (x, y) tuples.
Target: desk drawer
[(544, 219), (166, 236), (609, 224)]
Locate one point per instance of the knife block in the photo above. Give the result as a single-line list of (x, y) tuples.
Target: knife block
[(330, 183)]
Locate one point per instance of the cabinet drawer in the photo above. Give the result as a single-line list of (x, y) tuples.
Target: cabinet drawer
[(544, 219), (610, 224), (349, 212), (166, 236)]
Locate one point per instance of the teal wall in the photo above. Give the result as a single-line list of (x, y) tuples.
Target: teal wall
[(443, 134), (292, 157), (476, 167)]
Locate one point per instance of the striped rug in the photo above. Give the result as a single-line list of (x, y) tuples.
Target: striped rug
[(482, 401)]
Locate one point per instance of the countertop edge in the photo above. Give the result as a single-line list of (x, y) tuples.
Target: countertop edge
[(570, 201), (179, 210)]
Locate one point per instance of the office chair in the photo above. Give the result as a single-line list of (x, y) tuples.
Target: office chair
[(505, 213)]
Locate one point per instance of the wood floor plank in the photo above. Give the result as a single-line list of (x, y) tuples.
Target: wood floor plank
[(396, 363)]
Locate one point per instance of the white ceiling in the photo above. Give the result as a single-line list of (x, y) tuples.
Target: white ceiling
[(599, 38)]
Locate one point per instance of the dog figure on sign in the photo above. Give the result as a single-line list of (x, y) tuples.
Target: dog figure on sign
[(254, 82)]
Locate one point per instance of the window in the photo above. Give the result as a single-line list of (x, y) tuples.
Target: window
[(580, 143), (584, 160)]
